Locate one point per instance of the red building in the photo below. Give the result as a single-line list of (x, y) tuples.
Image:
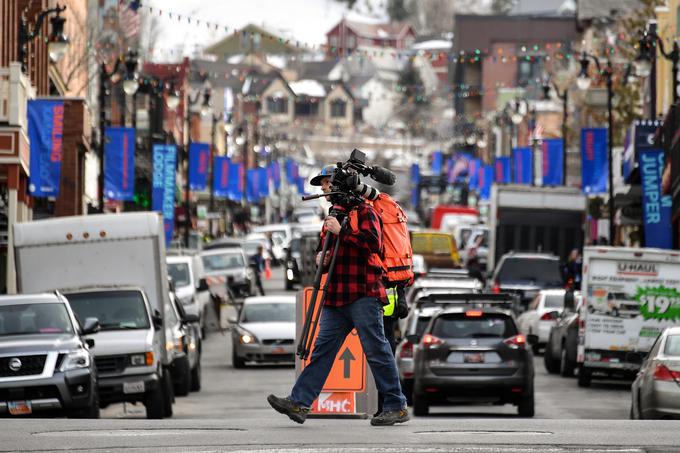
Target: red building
[(347, 36)]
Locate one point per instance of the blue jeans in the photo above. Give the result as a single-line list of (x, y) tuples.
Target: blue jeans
[(336, 323)]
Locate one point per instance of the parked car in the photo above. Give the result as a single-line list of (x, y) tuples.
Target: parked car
[(45, 362), (281, 235), (541, 316), (184, 271), (186, 363), (437, 248), (228, 266), (293, 262), (454, 284), (561, 348), (656, 389), (526, 274), (473, 355), (264, 331), (223, 243)]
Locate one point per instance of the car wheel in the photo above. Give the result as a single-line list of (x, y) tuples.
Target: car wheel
[(566, 365), (526, 406), (584, 377), (420, 406), (92, 411), (535, 348), (183, 385), (196, 378), (289, 286), (407, 390), (154, 402), (551, 364), (237, 361), (168, 394)]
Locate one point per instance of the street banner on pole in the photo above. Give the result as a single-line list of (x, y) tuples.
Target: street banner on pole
[(164, 184), (45, 131), (523, 161), (199, 156), (275, 169), (437, 162), (503, 173), (119, 163), (486, 173), (251, 185), (301, 185), (221, 177), (262, 183), (657, 207), (594, 160), (235, 181), (415, 180), (458, 167), (473, 171), (291, 172), (553, 160)]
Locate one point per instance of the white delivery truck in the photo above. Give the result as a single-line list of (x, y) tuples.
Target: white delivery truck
[(113, 267), (629, 296)]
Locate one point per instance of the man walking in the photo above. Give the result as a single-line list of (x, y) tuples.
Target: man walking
[(355, 299)]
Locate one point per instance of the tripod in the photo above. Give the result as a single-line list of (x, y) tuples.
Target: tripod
[(314, 310)]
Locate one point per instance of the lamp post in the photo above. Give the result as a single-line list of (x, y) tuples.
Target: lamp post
[(583, 83), (645, 62), (205, 109), (129, 88), (57, 42), (563, 96)]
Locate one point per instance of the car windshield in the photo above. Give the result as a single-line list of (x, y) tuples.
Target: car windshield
[(554, 301), (179, 273), (274, 312), (530, 271), (222, 261), (28, 319), (462, 326), (672, 346), (115, 310)]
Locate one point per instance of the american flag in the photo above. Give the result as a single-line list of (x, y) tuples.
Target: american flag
[(128, 18)]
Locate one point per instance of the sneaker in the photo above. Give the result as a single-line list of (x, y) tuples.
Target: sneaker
[(287, 407), (389, 418)]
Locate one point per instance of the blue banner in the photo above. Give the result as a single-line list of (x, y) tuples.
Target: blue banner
[(45, 131), (415, 180), (221, 177), (594, 160), (199, 157), (163, 193), (262, 183), (119, 163), (657, 207), (473, 170), (523, 160), (301, 185), (235, 181), (291, 172), (437, 162), (553, 161), (503, 174), (275, 174), (458, 167), (639, 138), (251, 185), (486, 173)]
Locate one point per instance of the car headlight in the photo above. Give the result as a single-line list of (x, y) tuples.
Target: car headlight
[(246, 337), (75, 360), (144, 359)]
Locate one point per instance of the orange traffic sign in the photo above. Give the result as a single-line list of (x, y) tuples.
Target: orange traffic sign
[(335, 403), (348, 373)]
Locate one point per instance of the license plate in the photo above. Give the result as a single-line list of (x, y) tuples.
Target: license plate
[(473, 358), (133, 387), (19, 407), (278, 350)]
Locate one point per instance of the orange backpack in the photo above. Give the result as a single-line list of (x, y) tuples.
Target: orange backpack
[(397, 256)]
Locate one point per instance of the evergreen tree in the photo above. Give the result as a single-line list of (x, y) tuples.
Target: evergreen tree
[(397, 10), (414, 101)]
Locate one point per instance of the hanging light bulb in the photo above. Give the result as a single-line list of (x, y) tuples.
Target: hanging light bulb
[(58, 42)]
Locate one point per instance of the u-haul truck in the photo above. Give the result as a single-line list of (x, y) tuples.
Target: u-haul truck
[(630, 295)]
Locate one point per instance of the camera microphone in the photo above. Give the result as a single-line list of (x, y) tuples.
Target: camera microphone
[(383, 175)]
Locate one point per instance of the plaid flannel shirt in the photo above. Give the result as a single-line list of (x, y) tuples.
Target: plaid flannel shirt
[(354, 276)]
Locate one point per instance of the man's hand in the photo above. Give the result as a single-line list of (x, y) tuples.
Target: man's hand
[(332, 225), (326, 261)]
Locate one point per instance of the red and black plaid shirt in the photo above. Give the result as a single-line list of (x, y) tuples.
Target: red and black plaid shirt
[(357, 274)]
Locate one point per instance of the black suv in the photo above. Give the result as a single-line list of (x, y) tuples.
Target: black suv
[(526, 274), (473, 353), (45, 363)]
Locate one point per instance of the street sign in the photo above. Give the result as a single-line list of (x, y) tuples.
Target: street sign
[(335, 403), (348, 373)]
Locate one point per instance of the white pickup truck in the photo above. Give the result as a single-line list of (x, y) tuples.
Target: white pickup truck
[(630, 295), (113, 267)]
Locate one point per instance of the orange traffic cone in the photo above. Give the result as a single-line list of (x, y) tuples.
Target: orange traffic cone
[(267, 270)]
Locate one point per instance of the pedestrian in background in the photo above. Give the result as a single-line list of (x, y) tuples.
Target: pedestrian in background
[(258, 264)]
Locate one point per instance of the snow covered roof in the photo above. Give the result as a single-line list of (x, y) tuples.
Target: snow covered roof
[(433, 44), (307, 87)]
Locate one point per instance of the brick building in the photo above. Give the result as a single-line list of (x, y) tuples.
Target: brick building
[(347, 36)]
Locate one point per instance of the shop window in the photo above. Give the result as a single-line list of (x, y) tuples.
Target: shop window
[(277, 105), (338, 108)]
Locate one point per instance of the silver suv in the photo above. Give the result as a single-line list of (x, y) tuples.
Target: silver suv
[(45, 363)]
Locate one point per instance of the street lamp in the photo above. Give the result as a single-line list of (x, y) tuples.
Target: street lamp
[(172, 99), (205, 109), (563, 96), (583, 82), (57, 42), (130, 62), (645, 62)]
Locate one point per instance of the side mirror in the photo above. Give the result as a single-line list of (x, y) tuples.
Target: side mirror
[(232, 320), (157, 320), (190, 318), (91, 325), (413, 338), (532, 339), (569, 303), (89, 342), (203, 285)]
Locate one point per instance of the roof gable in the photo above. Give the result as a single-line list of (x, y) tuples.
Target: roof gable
[(239, 43)]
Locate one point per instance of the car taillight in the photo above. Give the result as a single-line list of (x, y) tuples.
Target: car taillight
[(550, 316), (518, 341), (496, 288), (474, 313), (430, 341), (406, 350), (663, 373)]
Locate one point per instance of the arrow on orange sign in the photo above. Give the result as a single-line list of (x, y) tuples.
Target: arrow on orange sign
[(347, 357)]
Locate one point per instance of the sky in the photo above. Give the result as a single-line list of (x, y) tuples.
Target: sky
[(305, 20)]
